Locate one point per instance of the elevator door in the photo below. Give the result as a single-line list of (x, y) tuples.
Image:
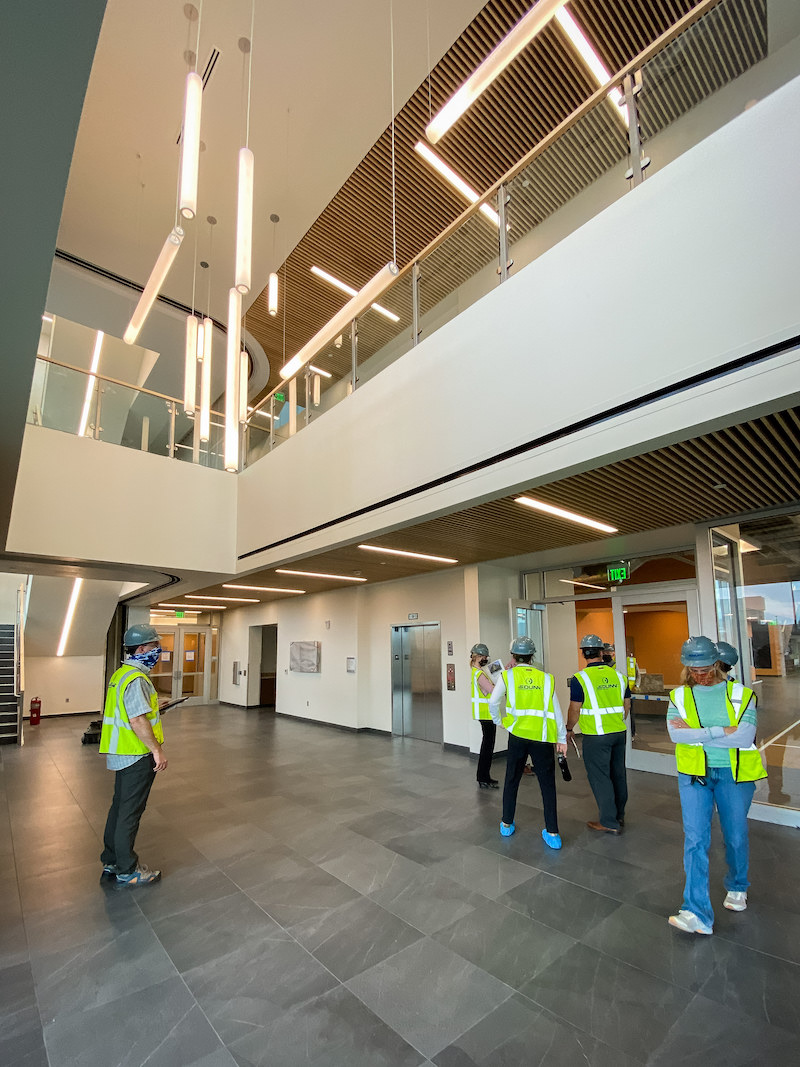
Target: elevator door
[(417, 682)]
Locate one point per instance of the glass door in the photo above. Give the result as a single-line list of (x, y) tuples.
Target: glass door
[(184, 667), (649, 630), (527, 620)]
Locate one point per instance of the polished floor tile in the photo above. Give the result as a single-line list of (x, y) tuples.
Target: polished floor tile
[(346, 900)]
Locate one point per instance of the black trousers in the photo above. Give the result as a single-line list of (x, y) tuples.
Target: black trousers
[(604, 759), (131, 789), (543, 758), (487, 750)]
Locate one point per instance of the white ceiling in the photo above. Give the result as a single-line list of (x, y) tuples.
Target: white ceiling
[(321, 97)]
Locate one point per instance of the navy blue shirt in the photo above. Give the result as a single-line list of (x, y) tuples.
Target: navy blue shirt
[(576, 689)]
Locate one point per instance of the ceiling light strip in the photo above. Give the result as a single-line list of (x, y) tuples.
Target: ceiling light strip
[(345, 288), (403, 552), (455, 180), (235, 599), (158, 275), (494, 64), (560, 513), (73, 602), (591, 59), (193, 609), (261, 588), (342, 319), (317, 574)]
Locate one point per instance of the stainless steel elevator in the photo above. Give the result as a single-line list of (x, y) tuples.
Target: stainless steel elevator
[(417, 681)]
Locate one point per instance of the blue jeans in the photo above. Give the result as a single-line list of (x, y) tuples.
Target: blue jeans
[(697, 804)]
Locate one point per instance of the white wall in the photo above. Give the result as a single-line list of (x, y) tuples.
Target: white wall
[(75, 498), (69, 685), (689, 249), (9, 586)]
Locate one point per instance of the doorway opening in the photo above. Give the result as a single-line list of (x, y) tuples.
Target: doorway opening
[(417, 682)]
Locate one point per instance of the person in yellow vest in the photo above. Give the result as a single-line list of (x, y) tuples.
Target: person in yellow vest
[(131, 739), (600, 701), (482, 686), (713, 724), (536, 728)]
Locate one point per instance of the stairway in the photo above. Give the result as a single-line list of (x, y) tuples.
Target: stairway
[(10, 724)]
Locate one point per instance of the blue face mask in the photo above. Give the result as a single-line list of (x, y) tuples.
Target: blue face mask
[(148, 659)]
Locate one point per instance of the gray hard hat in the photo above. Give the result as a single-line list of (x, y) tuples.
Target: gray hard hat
[(699, 652), (479, 650), (139, 634), (607, 647), (591, 641), (727, 653), (523, 646)]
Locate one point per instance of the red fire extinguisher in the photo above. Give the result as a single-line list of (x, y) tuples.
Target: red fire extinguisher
[(36, 711)]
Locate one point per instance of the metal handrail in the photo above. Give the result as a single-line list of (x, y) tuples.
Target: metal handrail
[(666, 38)]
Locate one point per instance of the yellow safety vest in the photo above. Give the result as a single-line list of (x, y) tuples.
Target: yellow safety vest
[(746, 763), (529, 704), (480, 702), (603, 710), (632, 670), (117, 735)]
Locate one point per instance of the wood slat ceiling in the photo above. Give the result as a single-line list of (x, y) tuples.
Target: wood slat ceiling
[(756, 462), (352, 239)]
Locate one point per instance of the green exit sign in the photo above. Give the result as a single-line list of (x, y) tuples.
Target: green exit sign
[(180, 614), (280, 397), (618, 572)]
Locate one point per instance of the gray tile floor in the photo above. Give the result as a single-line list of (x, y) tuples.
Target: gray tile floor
[(344, 900)]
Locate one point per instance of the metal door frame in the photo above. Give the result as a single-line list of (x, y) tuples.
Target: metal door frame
[(405, 626), (177, 662)]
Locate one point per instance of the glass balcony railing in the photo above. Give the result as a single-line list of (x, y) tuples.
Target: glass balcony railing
[(74, 400), (701, 73), (603, 149)]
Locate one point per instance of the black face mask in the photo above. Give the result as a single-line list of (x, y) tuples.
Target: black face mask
[(482, 662), (608, 659)]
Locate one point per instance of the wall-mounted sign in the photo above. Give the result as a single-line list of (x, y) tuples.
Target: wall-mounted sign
[(280, 397), (414, 615), (619, 571), (180, 614)]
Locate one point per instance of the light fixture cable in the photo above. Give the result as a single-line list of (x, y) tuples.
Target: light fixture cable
[(394, 174)]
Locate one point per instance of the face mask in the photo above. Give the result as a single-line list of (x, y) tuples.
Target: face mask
[(148, 659), (483, 662)]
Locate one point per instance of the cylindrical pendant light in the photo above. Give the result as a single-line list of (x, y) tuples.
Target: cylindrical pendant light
[(272, 294), (166, 258), (205, 383), (232, 381), (244, 377), (244, 221), (190, 145), (190, 366)]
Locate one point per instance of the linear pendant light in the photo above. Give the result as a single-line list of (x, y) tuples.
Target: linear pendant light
[(232, 364), (494, 64), (345, 288), (190, 366), (455, 180), (352, 309), (244, 378), (244, 221), (190, 145), (166, 258)]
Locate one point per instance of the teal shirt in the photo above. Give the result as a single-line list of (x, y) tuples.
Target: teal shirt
[(713, 711)]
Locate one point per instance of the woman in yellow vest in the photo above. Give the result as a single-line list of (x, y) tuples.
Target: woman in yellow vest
[(713, 724), (482, 686)]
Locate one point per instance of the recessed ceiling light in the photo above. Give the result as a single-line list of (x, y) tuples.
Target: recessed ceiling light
[(236, 599), (73, 600), (261, 588), (413, 555), (345, 288), (192, 609), (317, 574), (560, 513), (591, 59)]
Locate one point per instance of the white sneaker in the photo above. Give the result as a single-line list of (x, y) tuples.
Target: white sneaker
[(735, 901), (689, 923)]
